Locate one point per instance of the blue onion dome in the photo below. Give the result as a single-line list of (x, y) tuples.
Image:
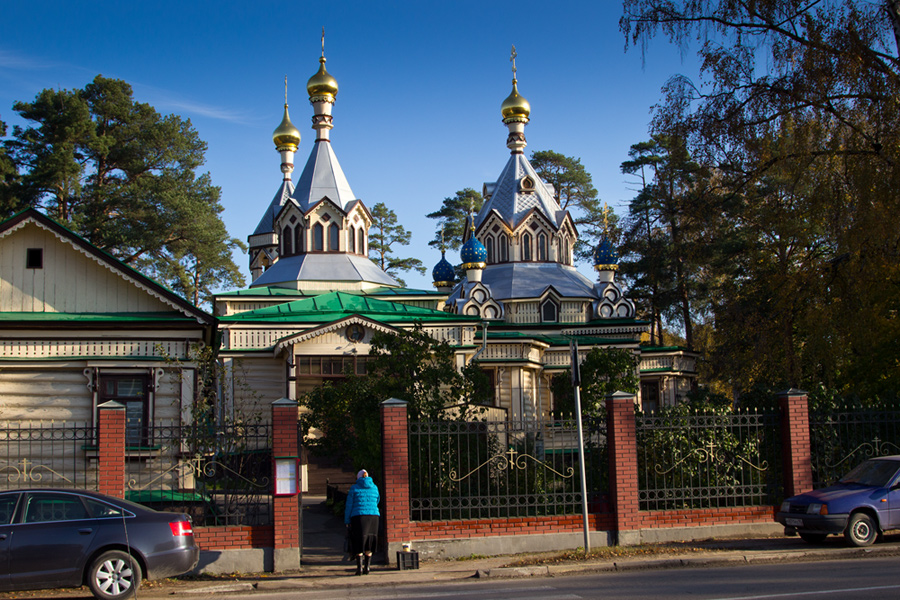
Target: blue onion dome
[(606, 257), (443, 273), (473, 254)]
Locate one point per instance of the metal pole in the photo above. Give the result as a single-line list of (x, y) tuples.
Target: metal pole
[(584, 502), (576, 385)]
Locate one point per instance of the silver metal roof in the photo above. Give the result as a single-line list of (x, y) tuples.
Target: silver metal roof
[(324, 267), (322, 176), (511, 281), (267, 223), (511, 203)]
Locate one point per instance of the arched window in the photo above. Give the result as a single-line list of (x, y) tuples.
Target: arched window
[(361, 242), (318, 237), (526, 246), (299, 247), (352, 239), (489, 245), (549, 311), (503, 248), (334, 237), (542, 247), (287, 239), (567, 259)]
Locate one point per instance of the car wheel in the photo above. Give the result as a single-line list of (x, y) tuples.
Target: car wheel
[(114, 575), (813, 538), (861, 530)]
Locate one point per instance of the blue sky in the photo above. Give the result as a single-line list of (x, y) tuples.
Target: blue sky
[(417, 116)]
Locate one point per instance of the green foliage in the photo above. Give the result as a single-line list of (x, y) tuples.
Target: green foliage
[(124, 177), (452, 216), (384, 236), (796, 119), (604, 371), (410, 366)]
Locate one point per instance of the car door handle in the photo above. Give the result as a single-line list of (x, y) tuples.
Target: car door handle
[(2, 536), (85, 530)]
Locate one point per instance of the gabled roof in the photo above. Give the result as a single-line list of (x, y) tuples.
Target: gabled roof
[(522, 280), (512, 204), (107, 261), (322, 176), (333, 306), (324, 266), (267, 223)]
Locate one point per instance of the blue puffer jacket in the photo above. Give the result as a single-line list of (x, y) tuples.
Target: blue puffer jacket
[(362, 499)]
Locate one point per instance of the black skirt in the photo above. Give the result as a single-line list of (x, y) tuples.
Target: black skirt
[(363, 534)]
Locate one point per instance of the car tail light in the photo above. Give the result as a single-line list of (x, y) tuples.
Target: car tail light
[(180, 528)]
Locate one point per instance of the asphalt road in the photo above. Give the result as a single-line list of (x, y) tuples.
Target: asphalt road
[(847, 579)]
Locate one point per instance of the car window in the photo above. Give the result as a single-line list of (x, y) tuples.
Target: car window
[(8, 508), (872, 472), (102, 510), (44, 507)]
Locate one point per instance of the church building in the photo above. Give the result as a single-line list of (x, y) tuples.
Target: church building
[(316, 298)]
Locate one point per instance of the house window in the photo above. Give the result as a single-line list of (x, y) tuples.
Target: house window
[(542, 247), (330, 366), (34, 258), (287, 236), (549, 311), (503, 248), (318, 237), (298, 243), (361, 241), (132, 391), (334, 237), (526, 247), (352, 239), (489, 245)]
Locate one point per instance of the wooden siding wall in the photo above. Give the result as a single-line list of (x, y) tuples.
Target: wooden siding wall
[(255, 384), (44, 394), (68, 282)]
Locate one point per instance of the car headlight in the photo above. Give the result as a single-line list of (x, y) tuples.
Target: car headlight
[(786, 506), (817, 509)]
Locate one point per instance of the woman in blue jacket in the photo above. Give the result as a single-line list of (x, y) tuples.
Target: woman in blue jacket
[(361, 516)]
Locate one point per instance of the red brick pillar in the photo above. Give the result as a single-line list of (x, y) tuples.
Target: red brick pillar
[(286, 509), (623, 473), (795, 444), (395, 457), (111, 448)]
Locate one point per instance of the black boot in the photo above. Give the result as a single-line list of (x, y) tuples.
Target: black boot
[(359, 570), (366, 564)]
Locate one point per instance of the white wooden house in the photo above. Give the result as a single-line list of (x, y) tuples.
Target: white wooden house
[(80, 328)]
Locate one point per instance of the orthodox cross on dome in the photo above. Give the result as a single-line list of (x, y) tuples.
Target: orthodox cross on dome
[(512, 59), (606, 212), (323, 41), (285, 90)]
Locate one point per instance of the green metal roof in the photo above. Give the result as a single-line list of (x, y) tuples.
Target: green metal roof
[(334, 306), (269, 291), (280, 292)]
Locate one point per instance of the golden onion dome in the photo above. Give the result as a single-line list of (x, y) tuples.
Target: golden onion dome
[(515, 105), (286, 134), (322, 84)]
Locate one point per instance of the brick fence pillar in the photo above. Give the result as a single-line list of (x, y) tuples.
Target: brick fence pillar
[(623, 472), (111, 448), (395, 458), (796, 448), (286, 509)]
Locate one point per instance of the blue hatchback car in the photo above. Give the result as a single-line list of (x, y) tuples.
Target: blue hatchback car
[(861, 505)]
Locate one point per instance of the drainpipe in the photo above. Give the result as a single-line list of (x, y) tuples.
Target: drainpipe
[(484, 326)]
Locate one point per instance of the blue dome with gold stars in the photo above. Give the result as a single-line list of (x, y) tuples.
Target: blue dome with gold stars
[(443, 271), (473, 253), (605, 255)]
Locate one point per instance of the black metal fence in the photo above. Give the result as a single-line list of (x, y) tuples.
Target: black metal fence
[(47, 454), (220, 475), (688, 460), (842, 437), (497, 469)]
